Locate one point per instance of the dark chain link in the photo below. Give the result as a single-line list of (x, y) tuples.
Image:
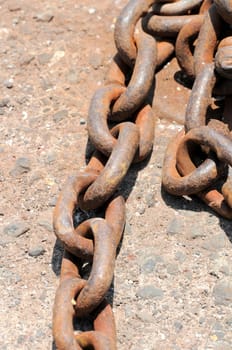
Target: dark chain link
[(121, 126)]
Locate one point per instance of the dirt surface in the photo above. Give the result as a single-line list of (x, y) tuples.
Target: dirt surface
[(172, 287)]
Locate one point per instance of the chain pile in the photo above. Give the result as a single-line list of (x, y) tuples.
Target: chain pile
[(121, 127)]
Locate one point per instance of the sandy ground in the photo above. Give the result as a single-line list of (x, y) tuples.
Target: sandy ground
[(172, 287)]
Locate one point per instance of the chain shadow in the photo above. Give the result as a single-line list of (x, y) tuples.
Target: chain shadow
[(124, 189), (193, 203)]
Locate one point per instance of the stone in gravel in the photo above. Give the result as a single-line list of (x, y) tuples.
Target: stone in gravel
[(82, 121), (36, 251), (44, 16), (145, 316), (50, 157), (229, 322), (95, 60), (46, 84), (2, 111), (149, 292), (220, 346), (26, 59), (215, 243), (178, 326), (226, 270), (176, 226), (44, 58), (22, 166), (127, 229), (150, 200), (58, 116), (141, 209), (195, 231), (173, 269), (4, 102), (16, 228), (45, 220), (148, 266), (52, 201), (13, 5), (73, 76), (46, 224), (181, 257), (8, 83), (222, 292)]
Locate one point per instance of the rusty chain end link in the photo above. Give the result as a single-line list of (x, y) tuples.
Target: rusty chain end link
[(121, 126)]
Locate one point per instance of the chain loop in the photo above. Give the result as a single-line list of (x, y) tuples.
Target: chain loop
[(176, 8), (121, 125)]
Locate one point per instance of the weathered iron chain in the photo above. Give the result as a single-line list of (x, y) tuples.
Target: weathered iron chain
[(121, 126)]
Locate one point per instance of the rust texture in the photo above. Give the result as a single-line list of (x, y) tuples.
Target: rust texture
[(121, 124)]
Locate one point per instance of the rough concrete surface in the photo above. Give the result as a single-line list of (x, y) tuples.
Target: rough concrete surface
[(172, 287)]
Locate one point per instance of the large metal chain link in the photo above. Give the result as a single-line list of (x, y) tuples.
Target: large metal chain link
[(121, 126)]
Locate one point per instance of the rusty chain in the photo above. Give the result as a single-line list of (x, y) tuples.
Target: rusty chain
[(121, 126)]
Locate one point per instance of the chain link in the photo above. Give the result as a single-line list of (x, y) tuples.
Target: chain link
[(121, 127)]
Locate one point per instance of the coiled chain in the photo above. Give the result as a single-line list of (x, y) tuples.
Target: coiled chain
[(121, 127)]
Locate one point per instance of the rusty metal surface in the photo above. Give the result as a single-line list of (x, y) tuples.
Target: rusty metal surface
[(188, 43), (207, 39), (176, 8), (223, 58), (184, 45)]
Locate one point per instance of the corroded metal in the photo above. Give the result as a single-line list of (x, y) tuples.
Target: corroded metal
[(141, 79), (176, 8), (201, 98), (121, 125), (125, 27), (184, 45), (207, 39), (194, 179), (167, 26), (223, 58)]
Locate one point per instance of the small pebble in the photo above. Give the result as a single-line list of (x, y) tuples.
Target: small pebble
[(13, 6), (95, 60), (175, 227), (181, 257), (44, 58), (173, 269), (82, 121), (148, 266), (36, 251), (22, 166), (127, 229), (149, 292), (52, 202), (46, 224), (26, 59), (46, 84), (8, 83), (4, 102), (58, 116), (141, 209), (215, 243), (91, 10), (195, 231), (73, 77), (44, 16), (150, 200), (16, 228), (145, 316), (222, 292), (178, 326)]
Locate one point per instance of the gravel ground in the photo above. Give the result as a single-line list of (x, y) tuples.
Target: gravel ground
[(172, 287)]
